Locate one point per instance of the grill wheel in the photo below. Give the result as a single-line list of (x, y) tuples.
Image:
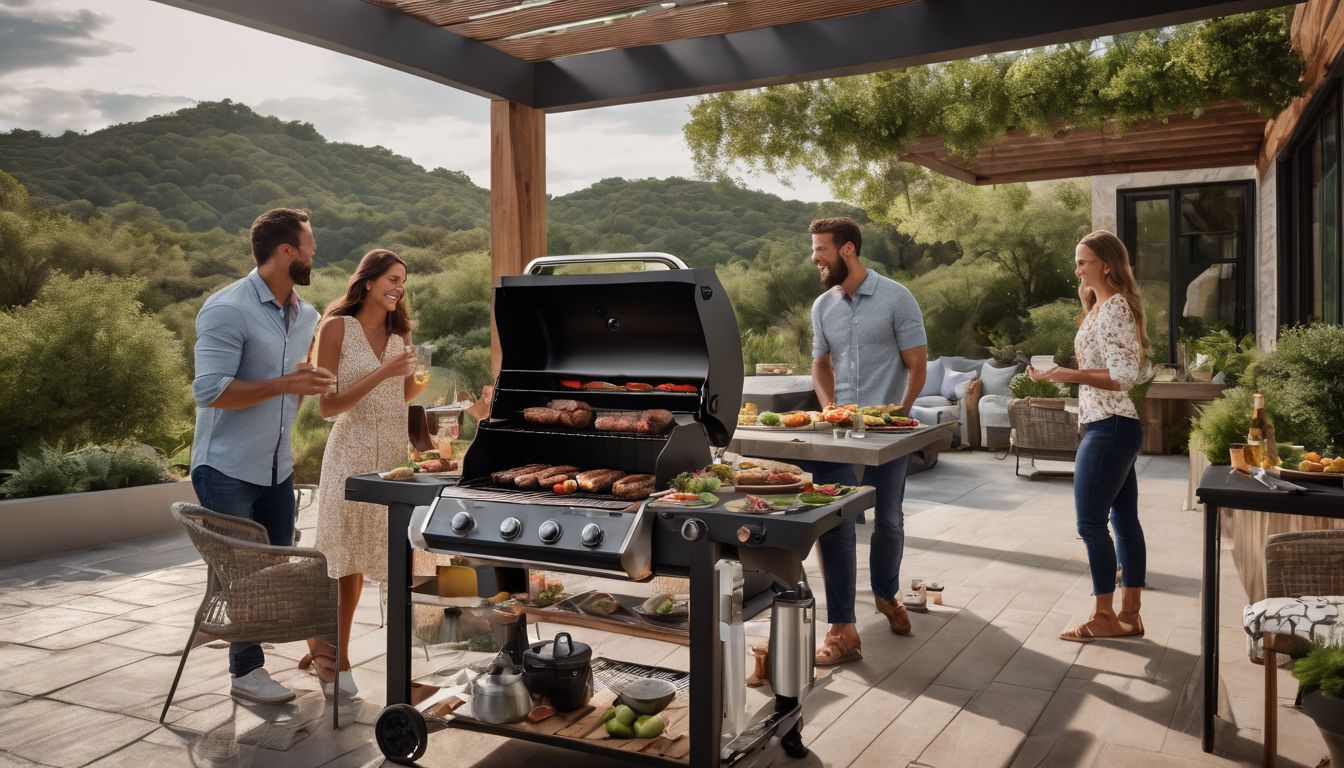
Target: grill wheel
[(401, 734)]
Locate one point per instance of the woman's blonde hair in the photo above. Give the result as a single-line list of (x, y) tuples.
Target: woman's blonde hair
[(1119, 276)]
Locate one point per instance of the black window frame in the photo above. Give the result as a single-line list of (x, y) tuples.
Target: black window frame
[(1181, 273), (1296, 286)]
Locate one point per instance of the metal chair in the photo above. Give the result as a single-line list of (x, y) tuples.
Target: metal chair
[(1298, 564), (1042, 428), (255, 592)]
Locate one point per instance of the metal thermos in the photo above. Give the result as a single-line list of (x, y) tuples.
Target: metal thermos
[(793, 638)]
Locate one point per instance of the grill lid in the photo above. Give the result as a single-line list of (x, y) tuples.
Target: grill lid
[(653, 327)]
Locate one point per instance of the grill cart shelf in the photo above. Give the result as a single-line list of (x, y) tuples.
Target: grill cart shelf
[(781, 542)]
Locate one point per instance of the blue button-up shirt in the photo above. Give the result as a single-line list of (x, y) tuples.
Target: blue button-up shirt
[(864, 334), (242, 332)]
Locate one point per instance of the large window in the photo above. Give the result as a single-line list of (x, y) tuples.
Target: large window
[(1191, 247), (1310, 263)]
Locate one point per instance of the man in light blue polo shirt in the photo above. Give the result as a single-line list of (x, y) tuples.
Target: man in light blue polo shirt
[(252, 338), (869, 348)]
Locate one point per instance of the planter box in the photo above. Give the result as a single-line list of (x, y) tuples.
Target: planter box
[(45, 525)]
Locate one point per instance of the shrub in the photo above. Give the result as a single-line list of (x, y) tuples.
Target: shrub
[(1052, 329), (49, 471), (82, 363), (1303, 382), (1321, 669), (1223, 422), (1023, 386), (310, 442)]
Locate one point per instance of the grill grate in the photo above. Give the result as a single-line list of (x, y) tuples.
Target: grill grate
[(544, 498), (612, 674), (523, 426)]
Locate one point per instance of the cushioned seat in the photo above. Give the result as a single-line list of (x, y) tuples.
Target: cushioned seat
[(994, 423), (1310, 619)]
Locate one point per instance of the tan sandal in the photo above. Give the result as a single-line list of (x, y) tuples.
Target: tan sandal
[(835, 650), (761, 675), (1083, 633)]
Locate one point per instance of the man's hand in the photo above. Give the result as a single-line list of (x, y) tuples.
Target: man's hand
[(307, 379)]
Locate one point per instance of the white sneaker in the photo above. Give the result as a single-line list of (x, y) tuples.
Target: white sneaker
[(258, 686), (346, 682)]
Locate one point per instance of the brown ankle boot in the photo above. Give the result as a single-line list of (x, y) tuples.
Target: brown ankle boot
[(1130, 600)]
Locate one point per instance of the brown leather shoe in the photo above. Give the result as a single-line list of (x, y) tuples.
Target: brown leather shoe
[(897, 616)]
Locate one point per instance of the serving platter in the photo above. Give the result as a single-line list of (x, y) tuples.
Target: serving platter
[(1328, 478)]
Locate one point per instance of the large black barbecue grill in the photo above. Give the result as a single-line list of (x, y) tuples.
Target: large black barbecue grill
[(610, 341)]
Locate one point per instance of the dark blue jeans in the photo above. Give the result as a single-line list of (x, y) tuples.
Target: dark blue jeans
[(837, 546), (1105, 487), (270, 505)]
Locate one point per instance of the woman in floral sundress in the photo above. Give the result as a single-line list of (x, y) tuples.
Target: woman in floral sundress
[(365, 337), (1111, 347)]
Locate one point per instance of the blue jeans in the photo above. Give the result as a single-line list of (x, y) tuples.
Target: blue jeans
[(1106, 487), (270, 505), (837, 546)]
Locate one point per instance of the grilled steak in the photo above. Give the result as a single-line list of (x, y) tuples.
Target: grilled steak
[(569, 405), (651, 422), (633, 487), (545, 416), (598, 480)]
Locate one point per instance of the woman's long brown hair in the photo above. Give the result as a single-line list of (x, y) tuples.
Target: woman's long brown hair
[(1112, 252), (370, 268)]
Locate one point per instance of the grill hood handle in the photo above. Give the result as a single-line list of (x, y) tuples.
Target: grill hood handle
[(546, 265)]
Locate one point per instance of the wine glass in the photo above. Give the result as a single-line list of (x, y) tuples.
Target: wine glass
[(424, 353)]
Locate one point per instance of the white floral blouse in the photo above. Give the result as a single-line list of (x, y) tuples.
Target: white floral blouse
[(1108, 338)]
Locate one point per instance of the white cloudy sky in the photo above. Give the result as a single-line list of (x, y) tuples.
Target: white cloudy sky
[(85, 64)]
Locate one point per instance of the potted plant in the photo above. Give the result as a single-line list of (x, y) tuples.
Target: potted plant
[(1320, 676)]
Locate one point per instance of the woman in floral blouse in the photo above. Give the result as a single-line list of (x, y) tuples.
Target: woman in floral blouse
[(1111, 347)]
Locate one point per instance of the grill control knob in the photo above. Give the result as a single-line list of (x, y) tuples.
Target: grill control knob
[(549, 532), (511, 528), (462, 523), (591, 535), (693, 529)]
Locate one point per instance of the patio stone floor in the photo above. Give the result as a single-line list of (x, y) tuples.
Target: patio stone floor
[(89, 641)]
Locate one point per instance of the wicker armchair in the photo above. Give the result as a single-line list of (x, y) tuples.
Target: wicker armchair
[(1042, 429), (255, 592), (1297, 564)]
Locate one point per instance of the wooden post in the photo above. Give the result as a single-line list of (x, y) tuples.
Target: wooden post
[(517, 195)]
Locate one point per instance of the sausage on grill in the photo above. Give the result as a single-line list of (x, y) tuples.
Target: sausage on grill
[(533, 479), (547, 480), (598, 480), (506, 476), (579, 418), (633, 487)]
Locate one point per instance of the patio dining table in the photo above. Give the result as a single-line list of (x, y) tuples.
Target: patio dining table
[(1221, 489)]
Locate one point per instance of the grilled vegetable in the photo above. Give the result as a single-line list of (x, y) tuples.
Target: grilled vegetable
[(768, 419)]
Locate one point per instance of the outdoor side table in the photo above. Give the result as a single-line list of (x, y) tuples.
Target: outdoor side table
[(1167, 403), (1221, 489)]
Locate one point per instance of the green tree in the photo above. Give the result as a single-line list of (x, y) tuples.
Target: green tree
[(853, 131), (83, 363)]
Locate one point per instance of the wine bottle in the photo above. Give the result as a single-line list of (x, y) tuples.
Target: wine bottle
[(1255, 436)]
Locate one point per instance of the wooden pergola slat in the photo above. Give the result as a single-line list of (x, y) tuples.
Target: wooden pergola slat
[(1225, 134)]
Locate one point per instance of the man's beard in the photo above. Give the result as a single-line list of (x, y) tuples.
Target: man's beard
[(831, 277), (301, 274)]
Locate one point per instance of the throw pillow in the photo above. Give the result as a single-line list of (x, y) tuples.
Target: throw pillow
[(996, 380), (933, 382), (955, 383)]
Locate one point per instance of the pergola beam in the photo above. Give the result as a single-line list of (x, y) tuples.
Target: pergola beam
[(906, 35), (382, 36)]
